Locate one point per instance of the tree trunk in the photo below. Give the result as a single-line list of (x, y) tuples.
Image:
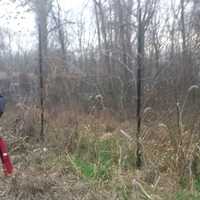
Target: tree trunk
[(42, 14), (140, 73), (41, 85)]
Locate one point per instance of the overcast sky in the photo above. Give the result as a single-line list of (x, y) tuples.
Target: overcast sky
[(22, 23)]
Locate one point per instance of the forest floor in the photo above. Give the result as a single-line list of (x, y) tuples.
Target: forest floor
[(97, 163)]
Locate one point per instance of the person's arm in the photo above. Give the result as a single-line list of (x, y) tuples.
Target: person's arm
[(2, 105)]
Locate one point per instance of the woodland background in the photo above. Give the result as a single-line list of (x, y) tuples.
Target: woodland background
[(110, 98)]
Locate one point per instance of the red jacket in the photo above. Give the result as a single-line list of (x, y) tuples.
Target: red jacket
[(5, 158)]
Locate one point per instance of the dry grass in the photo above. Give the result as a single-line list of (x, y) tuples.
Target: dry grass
[(46, 172)]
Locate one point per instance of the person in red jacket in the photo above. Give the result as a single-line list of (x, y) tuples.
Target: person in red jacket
[(5, 158)]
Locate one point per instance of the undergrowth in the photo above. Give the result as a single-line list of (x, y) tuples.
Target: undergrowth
[(100, 159), (103, 159)]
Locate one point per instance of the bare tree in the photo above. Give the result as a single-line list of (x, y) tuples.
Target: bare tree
[(42, 9), (183, 36), (144, 16), (59, 26)]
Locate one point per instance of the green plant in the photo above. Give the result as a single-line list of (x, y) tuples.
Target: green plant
[(197, 184), (107, 156), (91, 170), (185, 195), (87, 169), (95, 158)]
